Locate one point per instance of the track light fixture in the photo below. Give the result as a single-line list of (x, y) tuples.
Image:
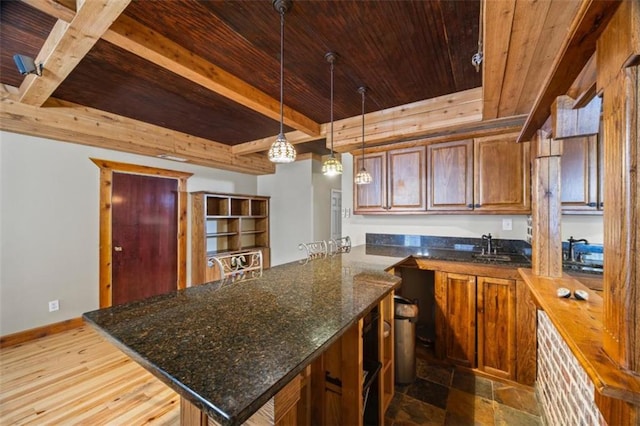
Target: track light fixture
[(26, 65)]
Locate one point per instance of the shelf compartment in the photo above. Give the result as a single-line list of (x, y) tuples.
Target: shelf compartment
[(216, 206), (259, 208), (239, 207)]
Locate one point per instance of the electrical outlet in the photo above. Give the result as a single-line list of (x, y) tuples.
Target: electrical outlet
[(507, 224), (54, 305)]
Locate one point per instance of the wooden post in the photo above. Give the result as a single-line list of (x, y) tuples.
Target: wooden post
[(546, 206), (618, 79)]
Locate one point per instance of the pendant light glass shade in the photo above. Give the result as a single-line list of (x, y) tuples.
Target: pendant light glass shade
[(281, 150), (363, 177), (332, 165)]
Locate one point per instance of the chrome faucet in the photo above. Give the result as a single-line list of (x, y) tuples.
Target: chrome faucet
[(487, 238), (572, 242)]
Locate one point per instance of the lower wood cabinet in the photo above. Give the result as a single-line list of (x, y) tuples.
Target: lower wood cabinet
[(455, 296), (485, 323), (497, 327)]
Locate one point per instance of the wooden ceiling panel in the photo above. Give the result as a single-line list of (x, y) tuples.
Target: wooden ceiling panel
[(393, 47), (116, 81), (23, 30)]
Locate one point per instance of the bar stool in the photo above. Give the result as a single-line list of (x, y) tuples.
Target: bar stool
[(238, 266)]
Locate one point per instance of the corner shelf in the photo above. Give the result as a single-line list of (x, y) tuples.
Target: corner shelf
[(224, 223)]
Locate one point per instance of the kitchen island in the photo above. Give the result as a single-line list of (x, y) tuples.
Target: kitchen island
[(228, 348)]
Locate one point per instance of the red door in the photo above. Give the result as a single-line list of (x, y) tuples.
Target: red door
[(144, 236)]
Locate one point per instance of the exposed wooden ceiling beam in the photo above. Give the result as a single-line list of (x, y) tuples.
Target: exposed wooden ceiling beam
[(409, 121), (69, 122), (259, 145), (497, 25), (576, 50), (66, 45), (498, 126), (142, 41)]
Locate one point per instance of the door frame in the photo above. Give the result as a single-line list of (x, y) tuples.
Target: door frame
[(333, 222), (106, 180)]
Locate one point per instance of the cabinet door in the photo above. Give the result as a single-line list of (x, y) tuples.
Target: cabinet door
[(501, 175), (406, 179), (456, 318), (373, 196), (579, 174), (450, 176), (497, 327)]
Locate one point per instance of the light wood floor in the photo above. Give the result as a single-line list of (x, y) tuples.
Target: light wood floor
[(78, 378)]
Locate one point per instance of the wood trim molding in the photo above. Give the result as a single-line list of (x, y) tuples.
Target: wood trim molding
[(106, 177), (576, 51), (38, 332)]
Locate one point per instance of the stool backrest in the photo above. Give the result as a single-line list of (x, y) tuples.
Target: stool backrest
[(239, 266), (340, 245), (314, 249)]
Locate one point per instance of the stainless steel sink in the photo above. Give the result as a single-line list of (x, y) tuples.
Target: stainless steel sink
[(492, 256), (579, 266)]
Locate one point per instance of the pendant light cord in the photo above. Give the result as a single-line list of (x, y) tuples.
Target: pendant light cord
[(362, 90), (282, 10), (332, 108)]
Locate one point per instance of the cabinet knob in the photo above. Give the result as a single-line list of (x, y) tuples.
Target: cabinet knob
[(117, 248), (592, 204), (470, 206), (601, 205), (477, 205)]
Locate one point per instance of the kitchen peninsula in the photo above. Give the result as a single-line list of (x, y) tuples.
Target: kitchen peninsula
[(228, 348)]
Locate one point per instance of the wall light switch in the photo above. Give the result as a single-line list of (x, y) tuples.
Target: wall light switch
[(54, 305), (507, 224)]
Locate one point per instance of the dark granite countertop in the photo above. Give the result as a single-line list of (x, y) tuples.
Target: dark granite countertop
[(230, 347)]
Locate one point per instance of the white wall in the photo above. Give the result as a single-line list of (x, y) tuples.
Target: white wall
[(322, 186), (49, 228), (455, 225), (291, 218)]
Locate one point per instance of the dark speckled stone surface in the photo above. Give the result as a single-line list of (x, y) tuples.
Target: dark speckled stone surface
[(229, 347)]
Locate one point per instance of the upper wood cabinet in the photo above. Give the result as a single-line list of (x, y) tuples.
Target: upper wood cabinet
[(450, 176), (502, 175), (398, 182), (581, 186), (484, 175)]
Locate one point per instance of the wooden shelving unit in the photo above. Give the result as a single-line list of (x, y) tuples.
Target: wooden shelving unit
[(226, 223), (361, 359)]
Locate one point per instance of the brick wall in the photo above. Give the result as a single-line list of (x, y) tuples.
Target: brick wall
[(565, 392)]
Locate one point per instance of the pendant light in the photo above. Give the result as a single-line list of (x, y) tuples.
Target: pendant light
[(281, 150), (363, 177), (331, 166)]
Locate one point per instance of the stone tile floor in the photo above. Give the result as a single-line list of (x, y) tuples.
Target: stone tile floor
[(442, 395)]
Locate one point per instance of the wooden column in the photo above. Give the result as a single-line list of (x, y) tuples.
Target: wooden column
[(546, 206), (618, 52)]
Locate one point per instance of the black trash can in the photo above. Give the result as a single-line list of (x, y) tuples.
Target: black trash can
[(406, 316)]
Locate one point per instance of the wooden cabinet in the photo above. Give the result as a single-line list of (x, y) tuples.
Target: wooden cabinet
[(450, 176), (398, 183), (581, 191), (455, 296), (352, 382), (497, 327), (478, 322), (223, 223), (502, 175), (483, 175)]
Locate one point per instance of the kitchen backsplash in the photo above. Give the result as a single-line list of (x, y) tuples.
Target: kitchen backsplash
[(452, 243)]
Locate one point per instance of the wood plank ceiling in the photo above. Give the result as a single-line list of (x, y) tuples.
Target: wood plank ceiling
[(200, 79)]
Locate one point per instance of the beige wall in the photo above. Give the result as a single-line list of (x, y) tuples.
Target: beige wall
[(49, 224)]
